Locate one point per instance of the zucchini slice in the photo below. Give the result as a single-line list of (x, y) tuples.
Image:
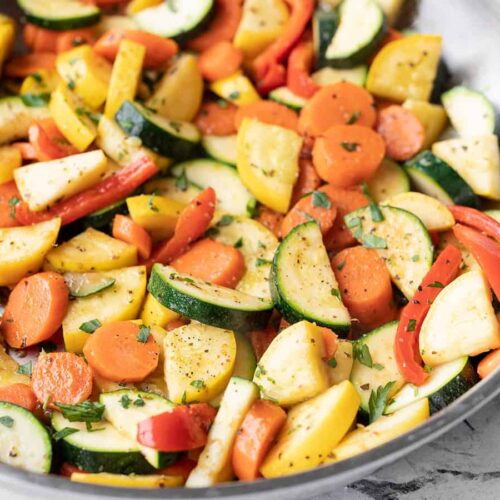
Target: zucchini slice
[(446, 383), (208, 303), (25, 441), (328, 76), (283, 95), (125, 418), (434, 177), (60, 15), (302, 281), (384, 368), (470, 112), (177, 189), (221, 148), (324, 26), (389, 180), (477, 161), (85, 284), (178, 19), (361, 28), (173, 139), (257, 245), (104, 217), (400, 239), (232, 196), (460, 322), (102, 450)]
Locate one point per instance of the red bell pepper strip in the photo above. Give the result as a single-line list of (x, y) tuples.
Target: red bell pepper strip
[(299, 80), (108, 191), (476, 219), (184, 428), (48, 142), (485, 250), (268, 65), (443, 271), (192, 223)]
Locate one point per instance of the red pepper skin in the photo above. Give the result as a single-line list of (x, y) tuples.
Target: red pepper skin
[(476, 219), (268, 66), (184, 428), (485, 250), (108, 191), (406, 350), (300, 61)]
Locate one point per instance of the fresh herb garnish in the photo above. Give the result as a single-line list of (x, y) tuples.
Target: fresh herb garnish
[(198, 384), (7, 421), (378, 401), (375, 212), (225, 220), (25, 369), (184, 398), (353, 222), (378, 366), (144, 333), (151, 204), (307, 216), (351, 147), (182, 181), (435, 284), (252, 207), (139, 402), (373, 241), (410, 327), (320, 199), (71, 85), (65, 432), (415, 258), (36, 100), (90, 326), (335, 292), (233, 95), (261, 262), (171, 4), (37, 77), (341, 265), (125, 401), (353, 118), (88, 411), (12, 204), (222, 103), (332, 362), (361, 352), (239, 243), (176, 126)]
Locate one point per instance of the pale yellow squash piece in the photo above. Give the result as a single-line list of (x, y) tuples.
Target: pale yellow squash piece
[(45, 183), (390, 179), (125, 75), (180, 91), (343, 362), (381, 431), (8, 370), (291, 370), (154, 313), (22, 249), (136, 6), (128, 481), (10, 159), (469, 263), (44, 80), (209, 352), (156, 214), (432, 117), (268, 162), (236, 88), (311, 431), (90, 251), (71, 118), (405, 69), (434, 215), (121, 301), (86, 72), (261, 23)]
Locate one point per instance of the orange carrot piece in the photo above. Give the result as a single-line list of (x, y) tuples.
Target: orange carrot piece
[(26, 65), (346, 200), (489, 363), (48, 142), (35, 309), (20, 395), (45, 40), (61, 377), (125, 229), (70, 39), (28, 152), (223, 26), (341, 103), (122, 352), (175, 323), (212, 261), (316, 205), (192, 223), (220, 61), (269, 112), (9, 196), (307, 181), (271, 219), (29, 35), (254, 438), (216, 118), (158, 50), (346, 155), (402, 132), (330, 343), (261, 339), (365, 286), (300, 61)]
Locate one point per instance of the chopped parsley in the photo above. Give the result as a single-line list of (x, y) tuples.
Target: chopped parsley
[(71, 85), (353, 118), (307, 216), (335, 292), (435, 284), (410, 327), (375, 212), (125, 401), (222, 103), (373, 241), (262, 262), (378, 366), (151, 204), (361, 352), (6, 421), (198, 384), (354, 222), (341, 265), (90, 326), (239, 243), (415, 258), (378, 401), (25, 369), (225, 220), (320, 199), (36, 100), (234, 95), (88, 411), (139, 402), (12, 204), (184, 398), (351, 147), (37, 77), (332, 363), (182, 181), (64, 432), (144, 333)]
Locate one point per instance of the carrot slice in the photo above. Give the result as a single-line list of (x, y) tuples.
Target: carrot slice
[(223, 26), (35, 309), (488, 364), (175, 323), (365, 286), (70, 39), (330, 343), (342, 103), (28, 152), (316, 205), (402, 132), (61, 377), (269, 112), (307, 181), (212, 261), (216, 118), (346, 155), (48, 142), (9, 197), (220, 61), (254, 438), (271, 219), (122, 352), (125, 229), (26, 65), (346, 200), (20, 395)]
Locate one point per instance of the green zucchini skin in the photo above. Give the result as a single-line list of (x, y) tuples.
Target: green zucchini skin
[(442, 175), (103, 218), (324, 26)]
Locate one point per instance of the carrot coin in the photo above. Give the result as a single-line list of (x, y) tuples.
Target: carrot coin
[(269, 112), (19, 394), (220, 61), (216, 118)]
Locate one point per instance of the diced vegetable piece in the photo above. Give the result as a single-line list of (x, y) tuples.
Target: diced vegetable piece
[(389, 180), (236, 88), (180, 190), (283, 95), (9, 370), (153, 313), (340, 369), (22, 249), (10, 159), (221, 148), (127, 481), (329, 76), (41, 82)]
